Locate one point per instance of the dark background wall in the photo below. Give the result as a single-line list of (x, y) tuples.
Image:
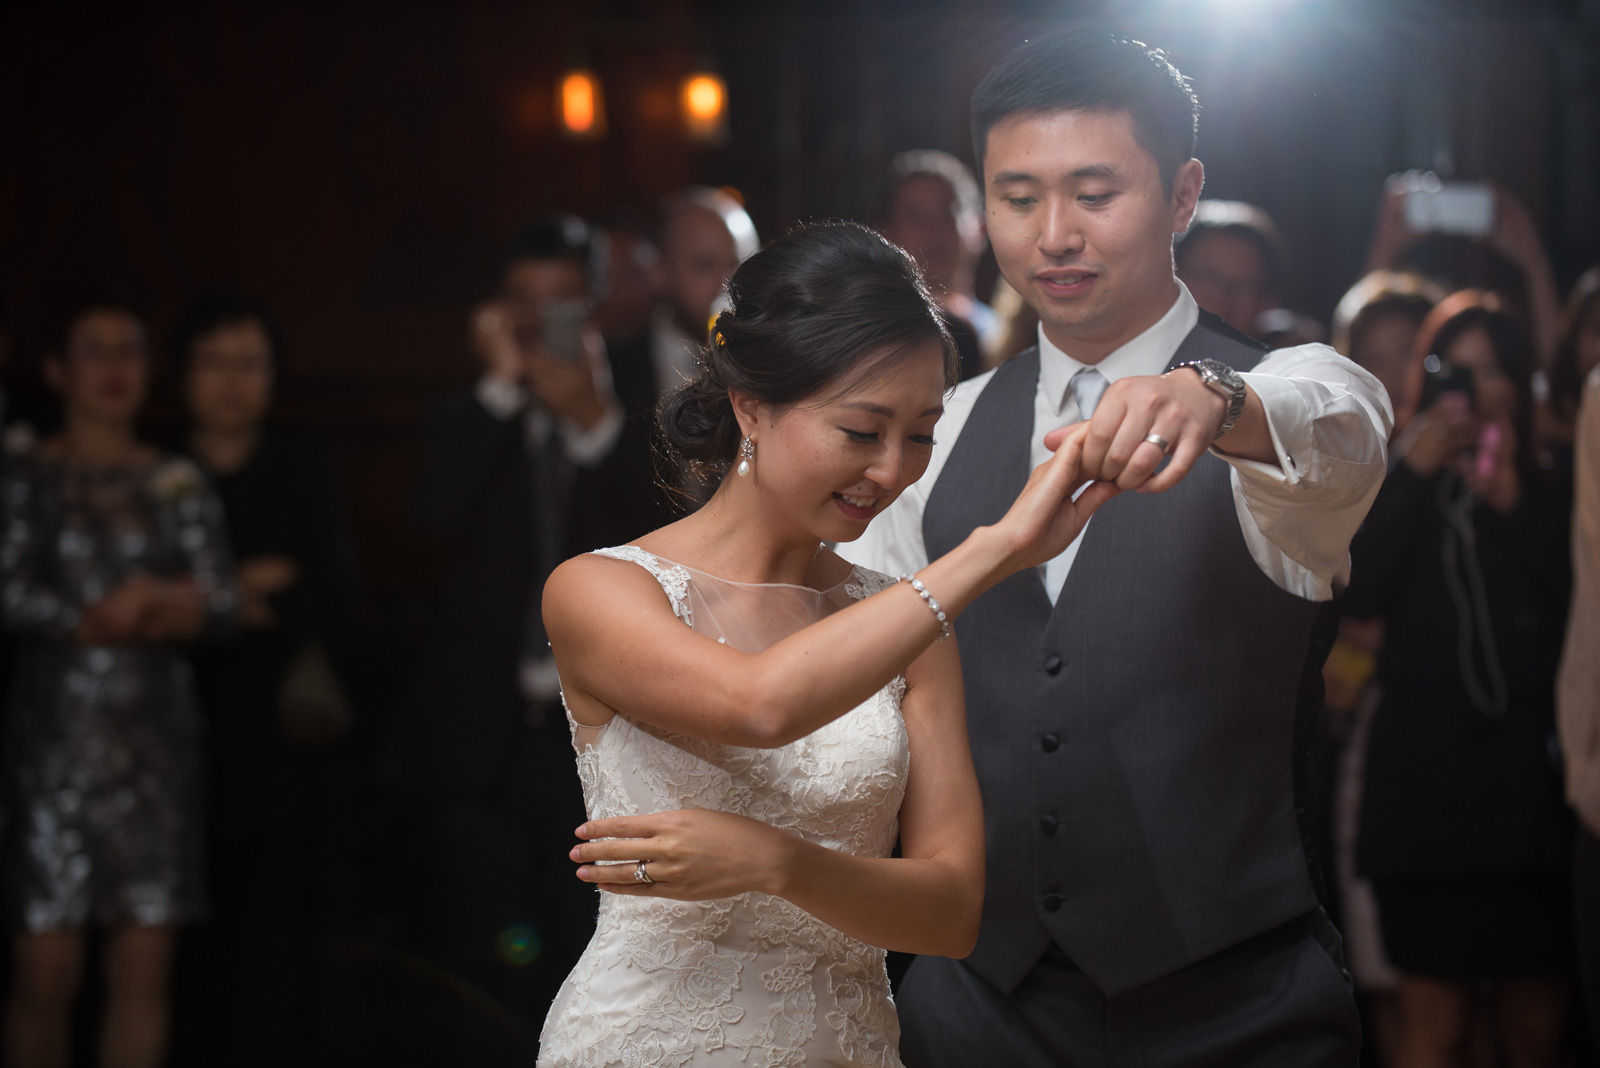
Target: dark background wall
[(358, 164)]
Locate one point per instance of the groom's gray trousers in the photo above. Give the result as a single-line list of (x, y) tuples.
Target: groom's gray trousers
[(1282, 998)]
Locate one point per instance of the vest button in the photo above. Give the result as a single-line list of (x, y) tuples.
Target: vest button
[(1052, 664), (1053, 902), (1049, 743), (1048, 824)]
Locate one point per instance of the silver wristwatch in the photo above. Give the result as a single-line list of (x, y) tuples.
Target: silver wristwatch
[(1225, 381)]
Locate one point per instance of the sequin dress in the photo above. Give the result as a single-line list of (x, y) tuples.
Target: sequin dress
[(751, 980), (101, 774)]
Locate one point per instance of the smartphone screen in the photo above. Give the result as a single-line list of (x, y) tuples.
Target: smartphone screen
[(1465, 209), (561, 328)]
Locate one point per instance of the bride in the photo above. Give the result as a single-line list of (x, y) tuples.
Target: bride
[(757, 721)]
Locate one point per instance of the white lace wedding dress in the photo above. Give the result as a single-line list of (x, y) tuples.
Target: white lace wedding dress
[(747, 980)]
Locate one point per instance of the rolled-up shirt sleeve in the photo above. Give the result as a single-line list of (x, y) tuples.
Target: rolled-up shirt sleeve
[(1330, 422)]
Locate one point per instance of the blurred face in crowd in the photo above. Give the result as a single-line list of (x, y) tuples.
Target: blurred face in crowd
[(1082, 226), (630, 285), (230, 378), (1382, 345), (925, 219), (698, 256), (531, 284), (1227, 275), (103, 372), (1495, 393)]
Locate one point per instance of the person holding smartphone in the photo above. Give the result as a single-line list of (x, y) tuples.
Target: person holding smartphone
[(1427, 223), (519, 470), (1463, 831)]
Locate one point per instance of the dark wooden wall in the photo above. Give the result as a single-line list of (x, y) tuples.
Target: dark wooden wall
[(358, 164)]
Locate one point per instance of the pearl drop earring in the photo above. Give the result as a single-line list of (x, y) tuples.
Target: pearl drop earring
[(747, 453)]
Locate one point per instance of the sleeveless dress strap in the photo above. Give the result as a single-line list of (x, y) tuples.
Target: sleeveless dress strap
[(863, 583), (674, 578)]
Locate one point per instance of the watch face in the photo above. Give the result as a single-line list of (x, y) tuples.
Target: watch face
[(1225, 374)]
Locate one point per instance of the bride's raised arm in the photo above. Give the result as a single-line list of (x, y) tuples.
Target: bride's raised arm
[(620, 647)]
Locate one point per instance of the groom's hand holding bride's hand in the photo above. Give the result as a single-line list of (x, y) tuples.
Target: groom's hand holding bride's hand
[(1177, 407)]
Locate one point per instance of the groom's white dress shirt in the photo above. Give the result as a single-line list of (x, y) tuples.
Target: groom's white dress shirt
[(1329, 421)]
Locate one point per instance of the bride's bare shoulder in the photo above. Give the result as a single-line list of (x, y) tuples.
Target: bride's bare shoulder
[(594, 583)]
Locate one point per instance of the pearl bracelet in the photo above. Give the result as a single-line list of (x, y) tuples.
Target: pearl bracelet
[(933, 605)]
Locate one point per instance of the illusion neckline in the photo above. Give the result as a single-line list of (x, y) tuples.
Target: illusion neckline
[(758, 585)]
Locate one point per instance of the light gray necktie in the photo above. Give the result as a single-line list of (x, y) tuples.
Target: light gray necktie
[(1088, 385)]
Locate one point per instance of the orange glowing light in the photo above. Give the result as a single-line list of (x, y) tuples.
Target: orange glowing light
[(582, 108), (702, 97), (705, 106)]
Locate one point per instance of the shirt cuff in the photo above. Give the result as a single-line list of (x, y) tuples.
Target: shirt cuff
[(500, 398), (1288, 424), (587, 448)]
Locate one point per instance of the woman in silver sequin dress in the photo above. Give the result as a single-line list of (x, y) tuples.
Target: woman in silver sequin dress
[(111, 557)]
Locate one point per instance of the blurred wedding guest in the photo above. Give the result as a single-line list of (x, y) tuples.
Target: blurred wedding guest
[(1578, 698), (1019, 325), (270, 693), (931, 207), (1469, 235), (1281, 328), (1376, 324), (1464, 832), (1235, 263), (518, 471), (1577, 353), (630, 291), (113, 557), (705, 235)]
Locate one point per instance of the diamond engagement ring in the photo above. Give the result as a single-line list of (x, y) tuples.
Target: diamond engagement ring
[(640, 875)]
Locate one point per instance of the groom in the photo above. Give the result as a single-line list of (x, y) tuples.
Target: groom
[(1133, 706)]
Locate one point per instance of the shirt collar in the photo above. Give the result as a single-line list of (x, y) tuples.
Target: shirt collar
[(1146, 354)]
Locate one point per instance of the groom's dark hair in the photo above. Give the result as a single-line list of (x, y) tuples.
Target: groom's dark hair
[(1093, 70)]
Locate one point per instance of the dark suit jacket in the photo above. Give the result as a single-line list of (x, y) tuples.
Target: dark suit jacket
[(475, 494)]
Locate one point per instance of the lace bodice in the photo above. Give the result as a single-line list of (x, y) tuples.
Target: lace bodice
[(748, 980)]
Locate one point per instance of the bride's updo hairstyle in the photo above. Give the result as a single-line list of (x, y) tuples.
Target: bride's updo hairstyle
[(815, 313)]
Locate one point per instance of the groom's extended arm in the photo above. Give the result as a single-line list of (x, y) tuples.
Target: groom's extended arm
[(1329, 422), (1309, 454)]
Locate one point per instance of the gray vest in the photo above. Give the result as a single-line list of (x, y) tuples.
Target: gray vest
[(1134, 743)]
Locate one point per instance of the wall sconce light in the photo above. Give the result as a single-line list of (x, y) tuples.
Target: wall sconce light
[(583, 106), (704, 99)]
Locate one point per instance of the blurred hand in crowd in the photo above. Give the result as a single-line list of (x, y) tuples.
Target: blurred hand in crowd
[(144, 610), (1513, 234), (1441, 434), (506, 337), (261, 578)]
